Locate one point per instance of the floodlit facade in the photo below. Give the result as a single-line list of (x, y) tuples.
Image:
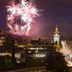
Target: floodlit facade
[(56, 36)]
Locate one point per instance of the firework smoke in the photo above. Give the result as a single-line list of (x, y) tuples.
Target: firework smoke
[(67, 52), (21, 16)]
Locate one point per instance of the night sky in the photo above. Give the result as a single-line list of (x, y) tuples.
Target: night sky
[(53, 12)]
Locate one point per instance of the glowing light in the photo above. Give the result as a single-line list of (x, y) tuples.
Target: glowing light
[(20, 17), (36, 48), (21, 46), (39, 55), (67, 52)]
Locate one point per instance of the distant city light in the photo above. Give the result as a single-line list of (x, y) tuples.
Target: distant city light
[(36, 48), (39, 55)]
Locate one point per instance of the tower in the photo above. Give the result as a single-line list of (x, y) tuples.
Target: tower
[(56, 36)]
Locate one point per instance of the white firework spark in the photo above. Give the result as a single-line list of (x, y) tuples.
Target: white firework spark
[(20, 17)]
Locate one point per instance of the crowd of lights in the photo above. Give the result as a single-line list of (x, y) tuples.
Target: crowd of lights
[(67, 52), (21, 16)]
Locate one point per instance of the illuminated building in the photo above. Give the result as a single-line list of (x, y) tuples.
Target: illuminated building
[(56, 36), (2, 37)]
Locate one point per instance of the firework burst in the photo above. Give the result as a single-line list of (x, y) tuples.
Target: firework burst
[(20, 17)]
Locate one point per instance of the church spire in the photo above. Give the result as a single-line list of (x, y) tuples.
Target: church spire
[(56, 30)]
